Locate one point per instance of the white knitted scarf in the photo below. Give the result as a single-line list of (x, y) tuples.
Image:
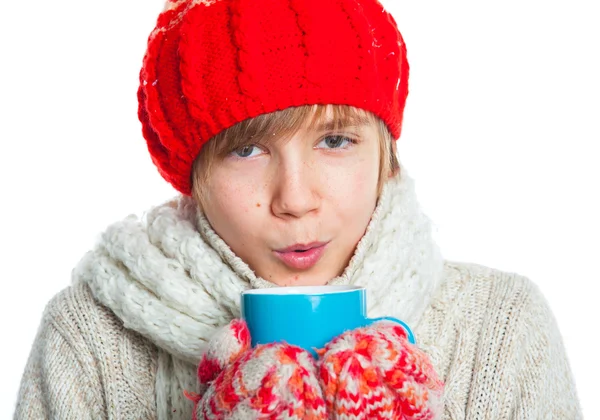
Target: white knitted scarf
[(171, 278)]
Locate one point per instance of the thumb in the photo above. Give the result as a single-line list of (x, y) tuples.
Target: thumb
[(227, 345)]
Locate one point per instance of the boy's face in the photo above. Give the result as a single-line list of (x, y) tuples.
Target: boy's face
[(315, 193)]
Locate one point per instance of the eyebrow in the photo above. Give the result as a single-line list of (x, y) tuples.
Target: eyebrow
[(355, 121)]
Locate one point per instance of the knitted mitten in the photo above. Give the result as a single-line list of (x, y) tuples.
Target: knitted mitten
[(272, 381), (375, 373)]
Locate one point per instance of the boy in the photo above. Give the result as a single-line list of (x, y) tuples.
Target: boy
[(276, 120)]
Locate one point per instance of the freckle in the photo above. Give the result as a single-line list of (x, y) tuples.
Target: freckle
[(257, 204)]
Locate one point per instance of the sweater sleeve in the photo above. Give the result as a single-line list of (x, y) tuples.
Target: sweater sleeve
[(545, 384), (57, 382)]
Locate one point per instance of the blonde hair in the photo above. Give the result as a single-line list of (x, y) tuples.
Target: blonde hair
[(265, 128)]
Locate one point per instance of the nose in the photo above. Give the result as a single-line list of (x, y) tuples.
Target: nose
[(296, 189)]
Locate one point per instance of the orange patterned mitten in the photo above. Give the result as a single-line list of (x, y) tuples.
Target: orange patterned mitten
[(375, 373), (272, 381)]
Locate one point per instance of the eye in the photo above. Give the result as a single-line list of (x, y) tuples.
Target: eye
[(247, 151), (337, 141)]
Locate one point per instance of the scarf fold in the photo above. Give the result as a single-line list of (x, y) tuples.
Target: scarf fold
[(170, 277)]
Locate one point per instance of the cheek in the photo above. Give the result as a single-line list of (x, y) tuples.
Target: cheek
[(353, 187), (231, 208), (228, 197)]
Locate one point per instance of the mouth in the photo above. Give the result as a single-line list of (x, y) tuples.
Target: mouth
[(301, 256)]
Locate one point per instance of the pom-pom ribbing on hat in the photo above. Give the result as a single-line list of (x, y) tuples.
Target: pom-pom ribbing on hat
[(212, 64)]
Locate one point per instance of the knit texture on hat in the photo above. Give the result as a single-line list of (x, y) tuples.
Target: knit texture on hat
[(212, 64)]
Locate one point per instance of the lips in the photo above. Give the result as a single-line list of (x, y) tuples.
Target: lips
[(301, 256), (302, 247)]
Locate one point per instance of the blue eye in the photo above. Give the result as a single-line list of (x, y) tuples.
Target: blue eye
[(246, 151), (337, 141)]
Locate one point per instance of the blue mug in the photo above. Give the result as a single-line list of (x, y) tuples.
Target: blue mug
[(308, 316)]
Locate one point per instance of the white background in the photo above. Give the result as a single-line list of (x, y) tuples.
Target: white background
[(501, 135)]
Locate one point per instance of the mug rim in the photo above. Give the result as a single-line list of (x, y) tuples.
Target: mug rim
[(302, 290)]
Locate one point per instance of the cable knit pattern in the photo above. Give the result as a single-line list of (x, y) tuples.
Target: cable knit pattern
[(124, 340), (85, 365), (212, 64)]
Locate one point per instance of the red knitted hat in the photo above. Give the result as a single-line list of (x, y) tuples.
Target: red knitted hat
[(211, 64)]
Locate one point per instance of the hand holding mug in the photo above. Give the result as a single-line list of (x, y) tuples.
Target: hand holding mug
[(368, 368), (264, 365), (375, 372), (274, 380)]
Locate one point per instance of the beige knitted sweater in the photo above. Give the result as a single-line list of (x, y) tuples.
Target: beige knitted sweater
[(122, 342)]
